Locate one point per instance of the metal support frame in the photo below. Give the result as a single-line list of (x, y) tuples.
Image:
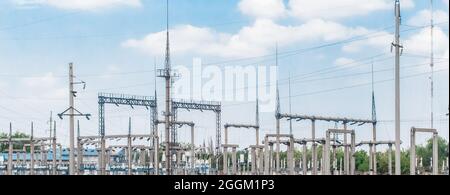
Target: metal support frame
[(122, 99), (413, 149)]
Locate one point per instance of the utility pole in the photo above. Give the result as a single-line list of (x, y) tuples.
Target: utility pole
[(72, 114), (432, 63), (398, 47)]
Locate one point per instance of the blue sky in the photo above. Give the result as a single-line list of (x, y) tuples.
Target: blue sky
[(114, 45)]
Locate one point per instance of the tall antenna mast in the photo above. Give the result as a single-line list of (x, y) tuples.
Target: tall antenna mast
[(277, 116), (166, 73), (257, 98), (374, 110), (432, 63)]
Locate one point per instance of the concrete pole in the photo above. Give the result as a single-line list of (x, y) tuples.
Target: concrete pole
[(10, 151), (253, 153), (435, 154), (193, 149), (71, 123), (54, 149), (79, 149), (390, 159), (314, 147), (271, 160), (323, 161), (261, 161), (60, 155), (130, 166), (346, 155), (102, 155), (327, 156), (397, 88), (225, 160), (352, 156), (233, 161), (412, 153), (80, 157), (374, 156), (277, 158), (266, 157), (304, 159), (370, 159), (156, 150), (32, 151), (290, 158)]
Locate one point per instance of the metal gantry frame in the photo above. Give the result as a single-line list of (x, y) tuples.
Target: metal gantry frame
[(190, 105), (413, 149), (123, 99)]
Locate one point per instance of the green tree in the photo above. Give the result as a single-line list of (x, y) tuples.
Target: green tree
[(361, 161), (4, 147)]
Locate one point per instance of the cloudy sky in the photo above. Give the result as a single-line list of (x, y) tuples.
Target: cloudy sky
[(327, 47)]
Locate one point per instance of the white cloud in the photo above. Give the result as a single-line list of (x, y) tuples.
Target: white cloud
[(338, 9), (343, 61), (88, 5), (271, 9), (258, 39), (375, 40), (420, 43), (423, 17), (47, 83)]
